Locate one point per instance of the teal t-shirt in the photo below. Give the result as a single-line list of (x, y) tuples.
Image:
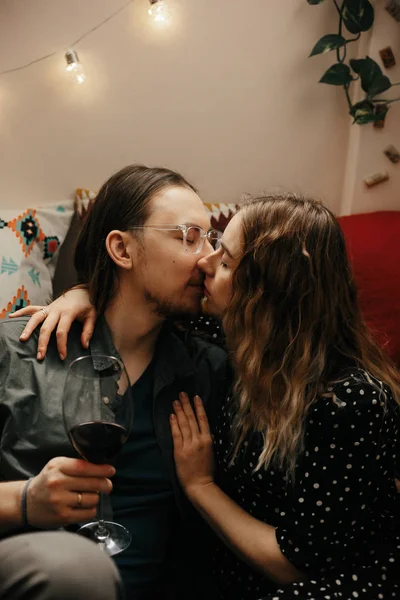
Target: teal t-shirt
[(142, 498)]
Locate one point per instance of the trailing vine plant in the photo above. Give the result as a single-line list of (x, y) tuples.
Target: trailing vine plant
[(355, 16)]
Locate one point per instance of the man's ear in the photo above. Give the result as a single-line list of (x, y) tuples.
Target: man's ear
[(122, 248)]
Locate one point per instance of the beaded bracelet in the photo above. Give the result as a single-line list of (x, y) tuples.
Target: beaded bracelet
[(24, 507)]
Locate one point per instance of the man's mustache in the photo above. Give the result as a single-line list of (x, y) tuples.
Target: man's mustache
[(197, 281)]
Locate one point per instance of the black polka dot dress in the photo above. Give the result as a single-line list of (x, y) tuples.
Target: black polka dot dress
[(337, 521)]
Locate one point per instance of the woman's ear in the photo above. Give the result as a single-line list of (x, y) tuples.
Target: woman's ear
[(121, 248)]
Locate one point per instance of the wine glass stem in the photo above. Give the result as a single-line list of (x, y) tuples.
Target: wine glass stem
[(101, 532)]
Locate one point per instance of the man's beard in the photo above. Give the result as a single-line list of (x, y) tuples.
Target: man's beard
[(166, 308)]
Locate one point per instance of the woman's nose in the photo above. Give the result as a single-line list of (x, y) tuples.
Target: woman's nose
[(205, 264)]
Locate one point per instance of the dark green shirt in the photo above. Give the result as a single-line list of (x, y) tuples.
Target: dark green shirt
[(143, 499)]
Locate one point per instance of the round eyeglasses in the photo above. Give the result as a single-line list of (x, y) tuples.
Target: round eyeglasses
[(193, 236)]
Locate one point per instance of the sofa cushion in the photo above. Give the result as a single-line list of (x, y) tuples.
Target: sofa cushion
[(29, 244), (373, 242)]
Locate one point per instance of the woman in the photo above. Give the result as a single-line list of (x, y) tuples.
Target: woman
[(302, 496)]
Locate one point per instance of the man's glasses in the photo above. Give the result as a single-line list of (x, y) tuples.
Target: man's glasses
[(193, 237)]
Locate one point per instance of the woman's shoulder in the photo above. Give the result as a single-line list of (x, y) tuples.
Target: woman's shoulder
[(356, 415), (355, 392)]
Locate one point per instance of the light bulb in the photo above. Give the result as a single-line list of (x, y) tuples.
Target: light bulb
[(159, 10), (74, 66)]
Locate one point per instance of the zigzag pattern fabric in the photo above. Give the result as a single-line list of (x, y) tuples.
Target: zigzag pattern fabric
[(220, 213), (29, 241)]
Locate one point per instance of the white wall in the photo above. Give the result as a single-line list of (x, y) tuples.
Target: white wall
[(366, 143), (226, 95)]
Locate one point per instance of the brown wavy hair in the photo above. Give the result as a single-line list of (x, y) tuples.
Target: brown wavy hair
[(293, 323)]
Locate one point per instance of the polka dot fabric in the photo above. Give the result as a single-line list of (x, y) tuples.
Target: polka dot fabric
[(337, 521)]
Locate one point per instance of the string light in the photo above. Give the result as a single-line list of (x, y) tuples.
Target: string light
[(82, 37), (159, 10), (74, 66)]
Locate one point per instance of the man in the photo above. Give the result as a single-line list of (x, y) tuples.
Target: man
[(138, 253)]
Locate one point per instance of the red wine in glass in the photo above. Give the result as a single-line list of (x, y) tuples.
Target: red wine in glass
[(98, 442), (98, 415)]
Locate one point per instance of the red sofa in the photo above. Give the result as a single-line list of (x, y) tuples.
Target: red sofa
[(373, 242)]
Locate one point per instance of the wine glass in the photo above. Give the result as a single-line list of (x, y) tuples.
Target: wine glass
[(98, 415)]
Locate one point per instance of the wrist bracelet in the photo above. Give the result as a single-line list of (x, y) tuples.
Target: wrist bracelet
[(24, 507)]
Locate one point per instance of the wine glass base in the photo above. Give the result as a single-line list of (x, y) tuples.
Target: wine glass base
[(114, 540)]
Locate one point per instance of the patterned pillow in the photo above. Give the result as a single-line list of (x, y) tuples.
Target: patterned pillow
[(220, 214), (83, 199), (29, 243)]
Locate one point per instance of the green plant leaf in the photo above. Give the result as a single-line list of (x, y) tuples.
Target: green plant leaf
[(373, 82), (315, 1), (363, 112), (337, 74), (358, 15), (327, 43)]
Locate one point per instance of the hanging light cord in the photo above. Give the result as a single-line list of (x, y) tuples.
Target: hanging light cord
[(32, 62)]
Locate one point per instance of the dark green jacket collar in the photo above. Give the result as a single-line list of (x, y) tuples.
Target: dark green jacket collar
[(172, 353)]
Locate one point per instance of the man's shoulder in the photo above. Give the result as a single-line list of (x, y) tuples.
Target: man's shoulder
[(10, 328), (10, 332)]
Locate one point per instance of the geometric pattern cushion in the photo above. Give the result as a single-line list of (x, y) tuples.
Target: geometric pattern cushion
[(29, 244), (83, 199), (220, 214)]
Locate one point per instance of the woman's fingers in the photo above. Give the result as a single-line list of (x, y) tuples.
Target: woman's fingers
[(88, 327), (189, 414), (36, 319), (183, 422), (56, 319), (45, 332), (60, 315), (176, 432), (201, 415), (64, 325), (27, 310), (187, 426)]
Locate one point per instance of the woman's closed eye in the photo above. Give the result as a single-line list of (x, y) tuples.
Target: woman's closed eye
[(223, 263)]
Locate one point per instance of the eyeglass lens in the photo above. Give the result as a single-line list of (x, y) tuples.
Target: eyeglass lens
[(195, 238)]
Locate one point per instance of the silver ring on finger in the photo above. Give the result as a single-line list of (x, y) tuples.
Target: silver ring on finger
[(79, 502), (44, 311)]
